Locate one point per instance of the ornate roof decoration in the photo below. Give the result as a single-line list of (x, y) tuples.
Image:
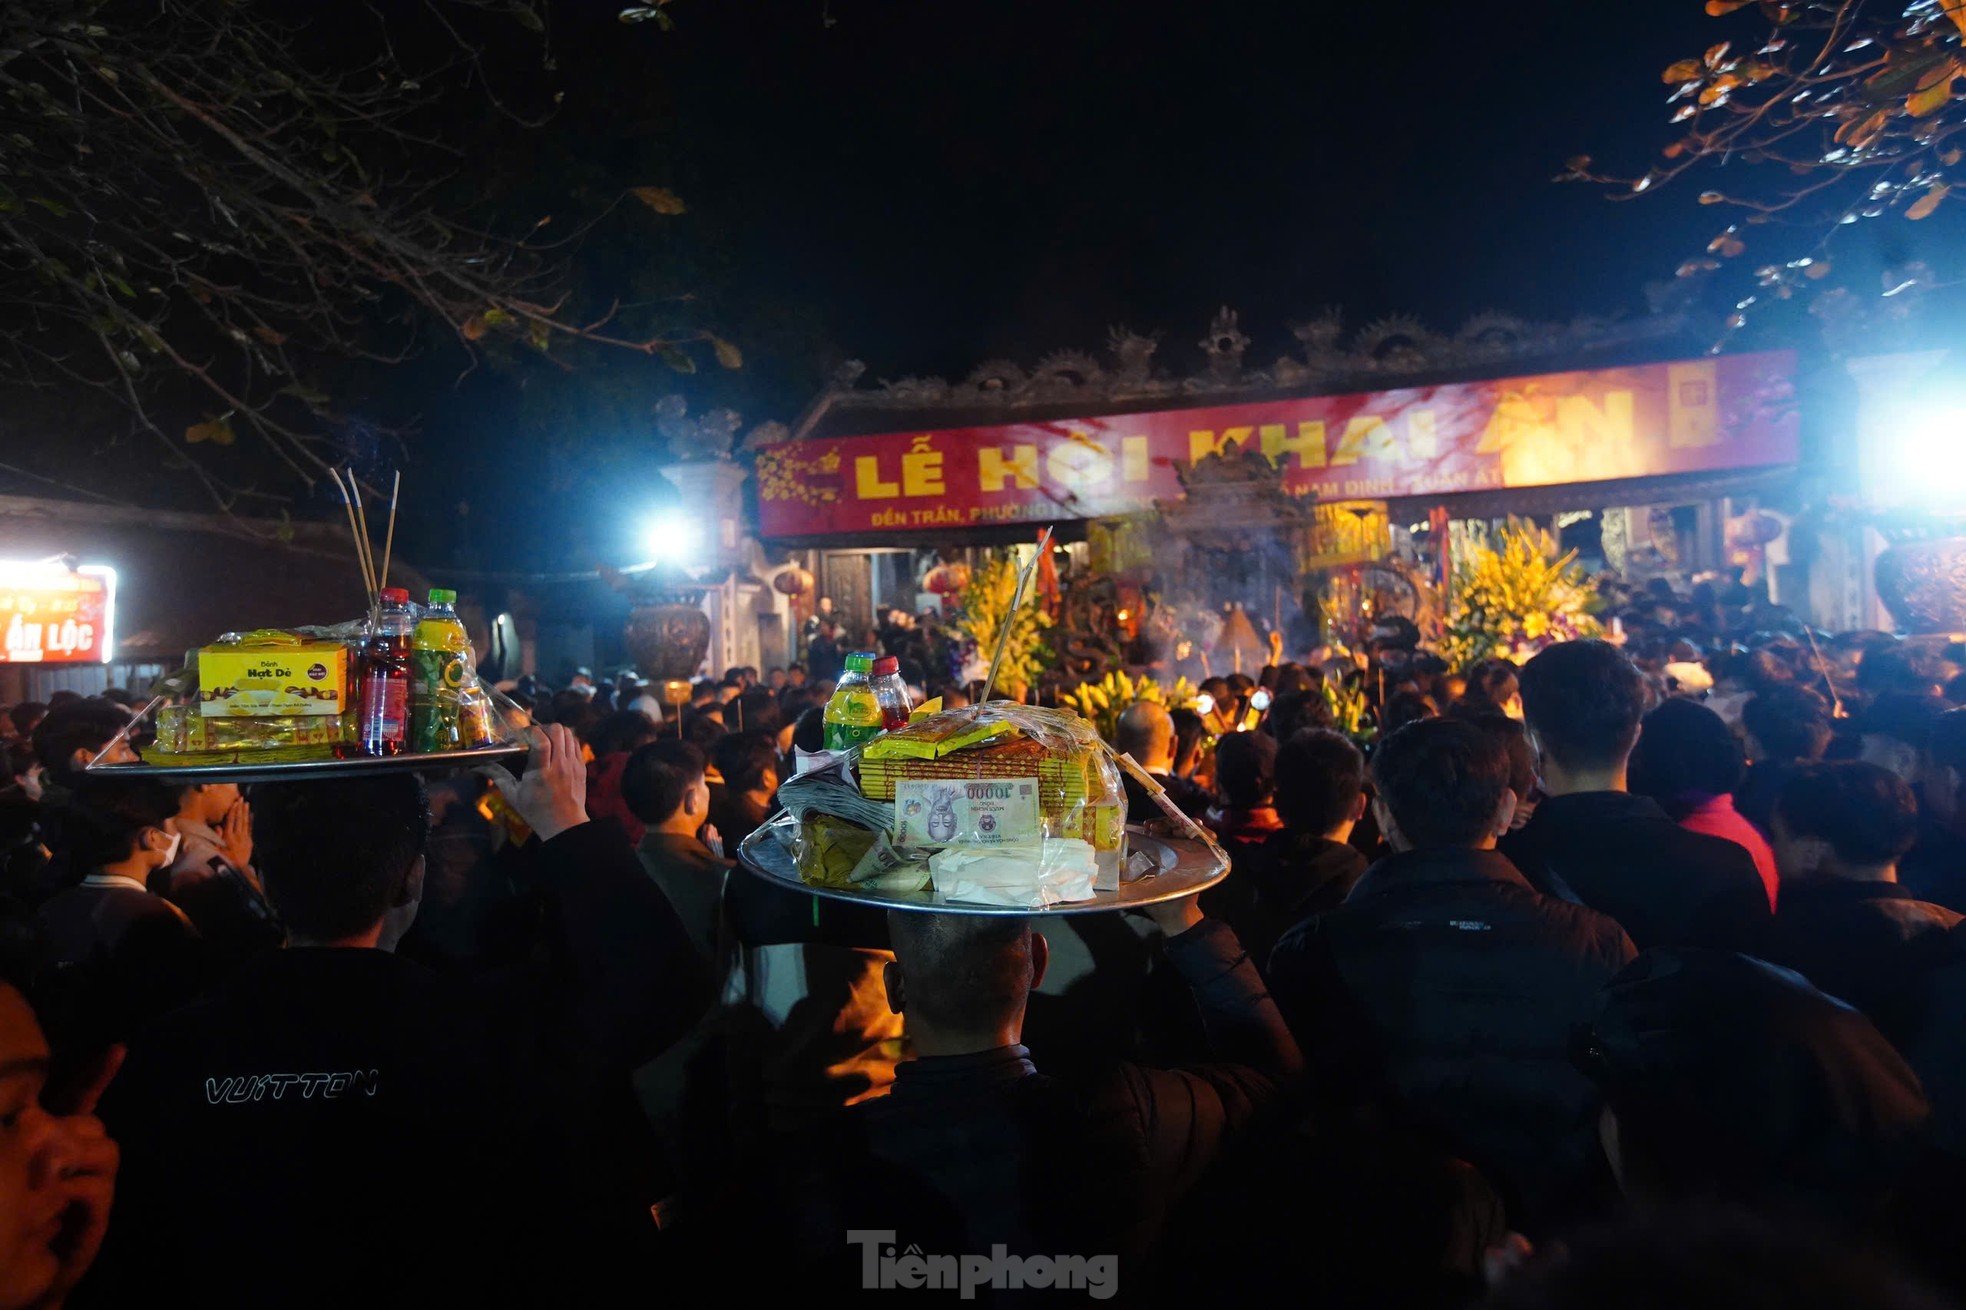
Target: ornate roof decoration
[(1388, 350)]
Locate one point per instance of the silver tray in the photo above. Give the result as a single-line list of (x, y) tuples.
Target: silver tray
[(360, 766), (1186, 867)]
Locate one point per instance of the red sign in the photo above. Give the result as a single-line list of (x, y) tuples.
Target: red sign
[(1731, 411), (50, 614)]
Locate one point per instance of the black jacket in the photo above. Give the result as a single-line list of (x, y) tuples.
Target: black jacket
[(969, 1151), (1447, 988), (1857, 941), (115, 957), (337, 1125), (1621, 855), (1935, 869), (1273, 887)]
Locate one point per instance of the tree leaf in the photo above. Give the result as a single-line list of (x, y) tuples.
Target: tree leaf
[(218, 431), (1722, 8), (538, 335), (727, 354), (1715, 53), (268, 335), (675, 358), (1925, 204), (496, 317), (1817, 270), (1934, 90), (528, 18), (1858, 132), (1956, 11), (1727, 245), (1685, 70), (473, 328), (661, 199)]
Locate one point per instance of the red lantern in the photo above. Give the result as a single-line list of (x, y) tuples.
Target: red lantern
[(947, 581)]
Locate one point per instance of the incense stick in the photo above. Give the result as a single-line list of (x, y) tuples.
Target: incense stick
[(1836, 701), (389, 537), (1010, 617), (362, 517), (355, 533)]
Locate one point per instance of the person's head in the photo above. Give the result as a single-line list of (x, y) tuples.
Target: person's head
[(121, 825), (342, 858), (1886, 669), (620, 732), (1320, 783), (755, 710), (71, 733), (955, 698), (1685, 756), (1787, 722), (1442, 783), (207, 802), (825, 604), (663, 783), (1514, 740), (1296, 711), (810, 733), (960, 982), (728, 690), (702, 728), (1893, 731), (1245, 769), (41, 1157), (1188, 732), (25, 715), (747, 761), (1725, 1078), (1494, 684), (1843, 820), (1583, 701), (775, 679), (795, 675), (1146, 732), (61, 698), (1945, 769), (1407, 707)]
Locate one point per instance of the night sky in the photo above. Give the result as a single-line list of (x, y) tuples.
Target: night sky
[(925, 186), (945, 182)]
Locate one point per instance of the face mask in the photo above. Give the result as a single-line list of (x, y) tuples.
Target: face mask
[(170, 852)]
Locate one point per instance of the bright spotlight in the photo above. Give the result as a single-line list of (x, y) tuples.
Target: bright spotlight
[(673, 539), (1923, 462)]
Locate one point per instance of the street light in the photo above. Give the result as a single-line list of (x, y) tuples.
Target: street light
[(673, 539)]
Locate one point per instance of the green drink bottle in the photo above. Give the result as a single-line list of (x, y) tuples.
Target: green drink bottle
[(440, 661)]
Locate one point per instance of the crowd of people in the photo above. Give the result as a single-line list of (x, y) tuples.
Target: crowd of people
[(1631, 974)]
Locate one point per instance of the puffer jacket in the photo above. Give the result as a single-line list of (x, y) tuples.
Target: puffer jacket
[(1445, 990)]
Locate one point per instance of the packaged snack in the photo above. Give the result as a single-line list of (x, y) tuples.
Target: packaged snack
[(273, 674)]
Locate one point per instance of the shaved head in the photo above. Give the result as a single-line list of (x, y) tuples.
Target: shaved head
[(1146, 732), (964, 973)]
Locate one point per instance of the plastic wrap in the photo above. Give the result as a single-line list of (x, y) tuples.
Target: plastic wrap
[(997, 804), (224, 706)]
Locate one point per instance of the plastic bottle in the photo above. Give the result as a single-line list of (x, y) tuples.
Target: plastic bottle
[(386, 676), (442, 668), (854, 714), (891, 693)]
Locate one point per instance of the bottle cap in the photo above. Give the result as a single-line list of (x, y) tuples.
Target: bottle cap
[(885, 665), (861, 661), (442, 596), (395, 596)]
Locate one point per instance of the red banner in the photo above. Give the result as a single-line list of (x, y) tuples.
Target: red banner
[(1696, 416), (52, 615)]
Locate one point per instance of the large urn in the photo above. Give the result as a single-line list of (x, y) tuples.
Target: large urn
[(1923, 583), (669, 639)]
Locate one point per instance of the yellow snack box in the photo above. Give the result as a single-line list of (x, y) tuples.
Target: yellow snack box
[(271, 675)]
